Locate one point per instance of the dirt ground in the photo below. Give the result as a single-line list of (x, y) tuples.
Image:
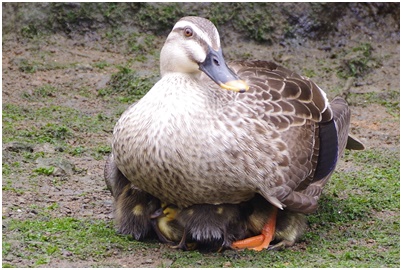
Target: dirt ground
[(85, 194)]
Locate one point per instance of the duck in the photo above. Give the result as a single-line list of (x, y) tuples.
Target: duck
[(212, 132), (213, 227)]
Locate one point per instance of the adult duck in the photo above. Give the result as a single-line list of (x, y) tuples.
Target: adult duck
[(209, 132)]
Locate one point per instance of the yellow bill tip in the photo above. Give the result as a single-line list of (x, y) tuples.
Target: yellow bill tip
[(236, 86)]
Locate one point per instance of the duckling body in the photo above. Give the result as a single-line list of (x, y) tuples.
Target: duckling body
[(217, 227), (290, 225), (213, 227), (167, 225), (133, 207)]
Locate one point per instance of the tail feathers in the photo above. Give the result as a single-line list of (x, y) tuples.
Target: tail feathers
[(354, 144)]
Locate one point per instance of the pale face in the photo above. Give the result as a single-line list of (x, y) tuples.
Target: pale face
[(193, 47), (187, 46)]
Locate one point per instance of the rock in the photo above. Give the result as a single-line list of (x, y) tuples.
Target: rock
[(103, 80), (149, 261), (18, 147), (63, 167), (83, 67), (46, 148), (66, 253), (166, 263)]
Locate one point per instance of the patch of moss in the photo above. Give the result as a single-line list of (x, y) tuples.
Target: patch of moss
[(141, 45), (257, 22), (29, 31), (101, 64), (81, 17), (129, 85), (50, 133), (100, 151), (77, 151), (28, 66), (357, 62), (388, 99), (158, 18), (45, 170), (310, 73), (253, 20), (32, 66)]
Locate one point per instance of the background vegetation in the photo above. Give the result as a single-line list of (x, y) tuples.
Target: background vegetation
[(71, 69)]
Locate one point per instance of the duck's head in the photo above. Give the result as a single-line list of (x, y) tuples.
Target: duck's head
[(192, 47)]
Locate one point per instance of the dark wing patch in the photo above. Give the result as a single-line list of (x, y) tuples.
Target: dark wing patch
[(313, 187), (328, 155)]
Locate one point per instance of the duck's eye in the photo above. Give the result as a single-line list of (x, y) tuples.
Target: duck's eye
[(188, 32)]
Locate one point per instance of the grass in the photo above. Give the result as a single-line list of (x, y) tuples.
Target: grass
[(262, 22), (357, 225), (388, 99), (42, 239), (358, 61), (32, 66), (128, 85), (45, 170), (52, 124)]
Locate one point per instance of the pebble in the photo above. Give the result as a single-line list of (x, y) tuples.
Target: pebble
[(66, 253), (83, 67), (166, 263)]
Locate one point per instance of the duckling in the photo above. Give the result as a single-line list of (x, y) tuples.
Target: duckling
[(133, 207), (166, 225), (212, 227), (205, 226), (289, 226), (219, 227)]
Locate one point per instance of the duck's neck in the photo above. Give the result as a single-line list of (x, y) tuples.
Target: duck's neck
[(182, 92)]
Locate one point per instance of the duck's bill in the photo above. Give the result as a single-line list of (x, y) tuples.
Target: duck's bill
[(215, 67), (237, 86)]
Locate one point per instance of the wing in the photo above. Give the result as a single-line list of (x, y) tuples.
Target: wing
[(333, 140), (298, 110)]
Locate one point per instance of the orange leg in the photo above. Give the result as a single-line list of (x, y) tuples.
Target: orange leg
[(261, 241)]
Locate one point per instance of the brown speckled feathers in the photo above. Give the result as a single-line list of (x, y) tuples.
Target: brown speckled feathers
[(295, 106)]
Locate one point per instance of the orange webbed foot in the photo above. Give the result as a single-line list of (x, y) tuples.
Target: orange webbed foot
[(261, 241)]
